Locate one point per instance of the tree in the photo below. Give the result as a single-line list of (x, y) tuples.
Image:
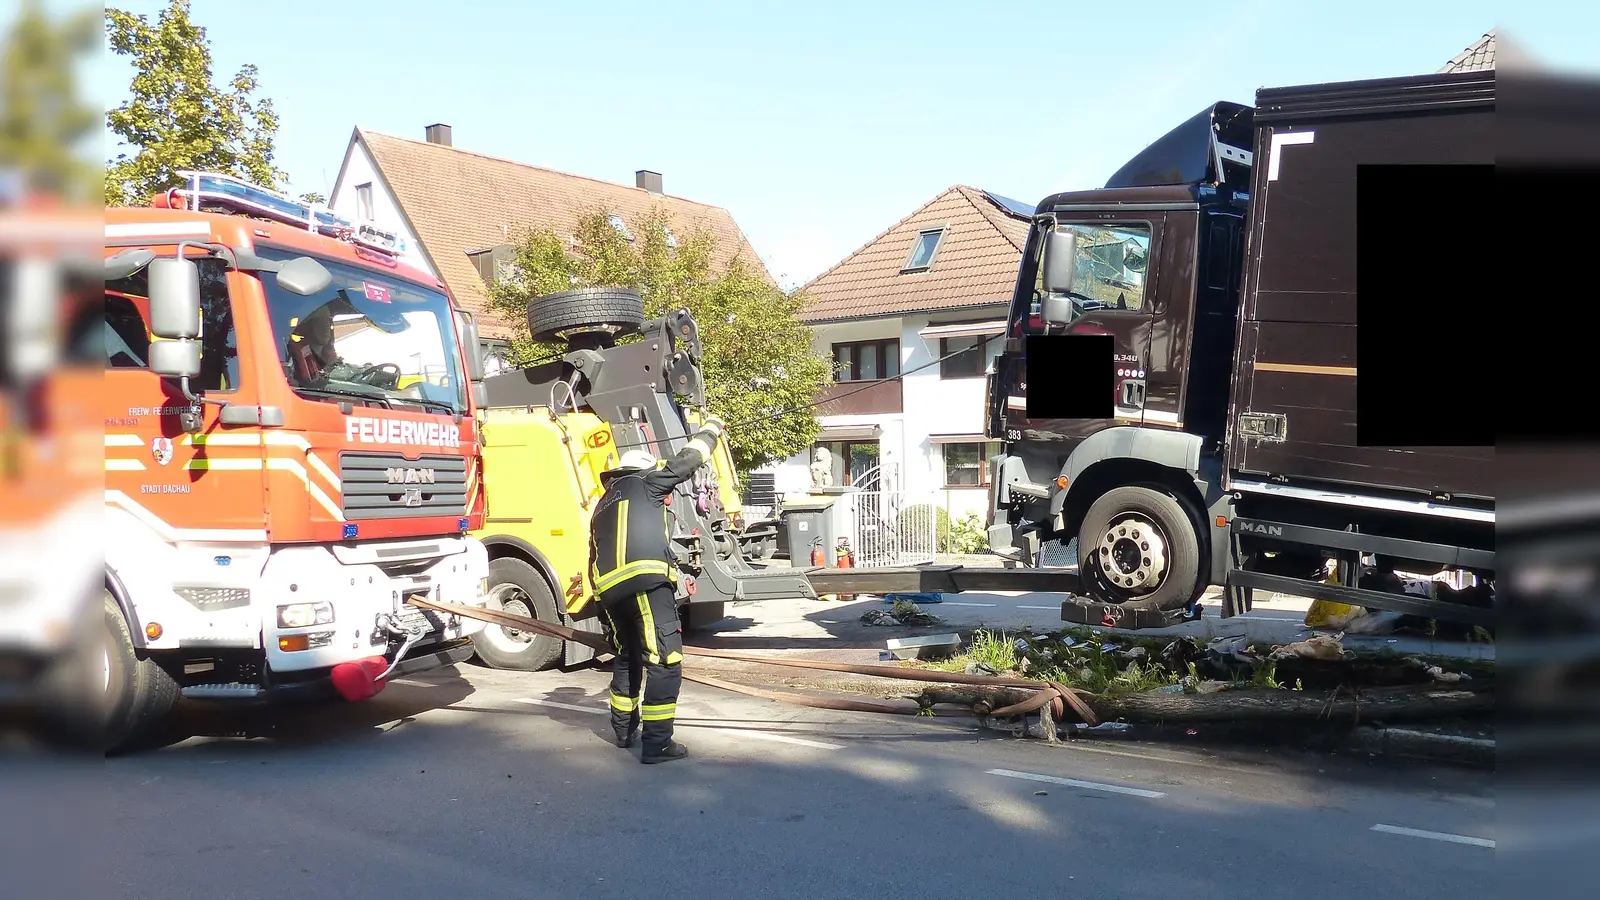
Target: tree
[(42, 118), (761, 372), (176, 118), (313, 197)]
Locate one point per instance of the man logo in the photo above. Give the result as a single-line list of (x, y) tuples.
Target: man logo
[(410, 476), (413, 497), (161, 449)]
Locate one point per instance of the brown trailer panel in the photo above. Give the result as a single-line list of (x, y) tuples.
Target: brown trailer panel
[(1297, 329)]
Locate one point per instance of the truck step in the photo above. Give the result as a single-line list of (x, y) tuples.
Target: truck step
[(229, 691)]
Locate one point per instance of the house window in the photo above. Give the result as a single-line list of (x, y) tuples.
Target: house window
[(672, 239), (923, 249), (968, 361), (364, 201), (867, 360), (621, 226), (852, 462), (966, 465)]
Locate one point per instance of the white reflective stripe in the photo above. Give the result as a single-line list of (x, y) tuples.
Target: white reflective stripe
[(124, 440), (158, 229), (278, 464), (124, 465), (172, 535), (1285, 139), (700, 447)]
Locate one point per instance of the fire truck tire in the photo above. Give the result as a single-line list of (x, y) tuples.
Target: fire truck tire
[(703, 615), (1115, 544), (518, 588), (139, 694), (582, 309)]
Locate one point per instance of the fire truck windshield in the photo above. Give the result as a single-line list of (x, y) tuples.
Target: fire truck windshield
[(367, 335)]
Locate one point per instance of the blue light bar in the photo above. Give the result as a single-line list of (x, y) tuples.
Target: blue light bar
[(350, 531)]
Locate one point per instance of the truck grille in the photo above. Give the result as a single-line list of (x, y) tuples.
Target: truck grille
[(389, 486)]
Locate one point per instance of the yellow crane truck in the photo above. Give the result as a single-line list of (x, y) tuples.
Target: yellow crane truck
[(549, 431)]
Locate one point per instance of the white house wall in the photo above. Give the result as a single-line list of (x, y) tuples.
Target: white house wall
[(385, 211), (932, 405), (935, 405)]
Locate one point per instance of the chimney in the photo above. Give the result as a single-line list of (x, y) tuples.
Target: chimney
[(650, 181), (439, 134)]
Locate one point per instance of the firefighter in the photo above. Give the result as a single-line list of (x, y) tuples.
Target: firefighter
[(634, 572)]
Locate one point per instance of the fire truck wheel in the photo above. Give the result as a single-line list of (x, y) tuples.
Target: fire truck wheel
[(1137, 547), (138, 692), (585, 309), (703, 615), (517, 588)]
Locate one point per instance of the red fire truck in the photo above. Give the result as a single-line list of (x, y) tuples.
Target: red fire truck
[(291, 453)]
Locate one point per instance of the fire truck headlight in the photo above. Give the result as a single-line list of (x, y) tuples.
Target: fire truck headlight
[(304, 615)]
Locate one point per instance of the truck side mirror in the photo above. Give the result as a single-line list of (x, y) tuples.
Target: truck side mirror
[(474, 347), (175, 358), (1060, 261), (175, 299)]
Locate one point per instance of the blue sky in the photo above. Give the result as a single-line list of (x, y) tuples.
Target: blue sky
[(817, 124)]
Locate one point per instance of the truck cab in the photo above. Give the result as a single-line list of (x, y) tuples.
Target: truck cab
[(291, 452), (1221, 263)]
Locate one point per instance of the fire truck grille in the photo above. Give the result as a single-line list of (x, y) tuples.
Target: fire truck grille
[(389, 486)]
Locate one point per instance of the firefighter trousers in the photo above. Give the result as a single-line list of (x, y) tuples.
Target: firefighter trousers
[(649, 642)]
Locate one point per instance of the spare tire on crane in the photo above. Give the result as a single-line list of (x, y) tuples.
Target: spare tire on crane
[(593, 312)]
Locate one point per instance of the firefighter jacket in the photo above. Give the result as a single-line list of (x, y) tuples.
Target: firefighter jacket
[(630, 533)]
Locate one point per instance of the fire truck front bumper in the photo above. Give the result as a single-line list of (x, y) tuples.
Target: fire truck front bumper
[(340, 604)]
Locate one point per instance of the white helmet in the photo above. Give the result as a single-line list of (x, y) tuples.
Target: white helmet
[(637, 459)]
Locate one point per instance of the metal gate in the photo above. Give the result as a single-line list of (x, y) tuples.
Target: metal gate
[(884, 527)]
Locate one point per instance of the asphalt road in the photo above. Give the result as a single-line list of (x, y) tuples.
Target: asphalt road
[(473, 783)]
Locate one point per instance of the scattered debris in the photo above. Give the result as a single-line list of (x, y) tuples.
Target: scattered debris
[(1318, 646), (931, 646)]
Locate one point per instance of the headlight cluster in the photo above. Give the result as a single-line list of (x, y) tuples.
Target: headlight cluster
[(305, 615)]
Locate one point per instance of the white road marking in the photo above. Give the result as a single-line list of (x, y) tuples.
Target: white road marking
[(1051, 608), (767, 736), (597, 710), (956, 603), (408, 681), (1435, 835), (1071, 782)]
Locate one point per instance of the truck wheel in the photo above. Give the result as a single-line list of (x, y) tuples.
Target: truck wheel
[(585, 309), (703, 615), (136, 694), (517, 588), (1137, 547)]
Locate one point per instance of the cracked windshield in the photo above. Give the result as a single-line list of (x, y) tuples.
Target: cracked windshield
[(367, 336)]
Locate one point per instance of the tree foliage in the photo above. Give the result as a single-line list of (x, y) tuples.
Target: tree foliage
[(176, 118), (760, 369), (43, 120)]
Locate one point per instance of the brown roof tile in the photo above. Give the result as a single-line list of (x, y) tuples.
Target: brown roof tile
[(976, 263), (458, 202)]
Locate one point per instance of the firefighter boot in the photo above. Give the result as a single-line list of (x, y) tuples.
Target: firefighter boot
[(627, 734), (673, 750)]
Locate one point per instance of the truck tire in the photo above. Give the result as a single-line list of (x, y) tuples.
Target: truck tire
[(1137, 548), (138, 694), (703, 615), (517, 587), (616, 309)]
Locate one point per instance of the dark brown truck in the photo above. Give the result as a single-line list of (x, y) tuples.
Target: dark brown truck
[(1221, 261)]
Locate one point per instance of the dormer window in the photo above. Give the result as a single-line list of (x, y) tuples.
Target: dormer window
[(923, 249), (620, 226), (672, 239)]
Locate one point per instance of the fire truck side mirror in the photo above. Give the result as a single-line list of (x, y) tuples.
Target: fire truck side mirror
[(175, 359), (474, 347), (175, 299)]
